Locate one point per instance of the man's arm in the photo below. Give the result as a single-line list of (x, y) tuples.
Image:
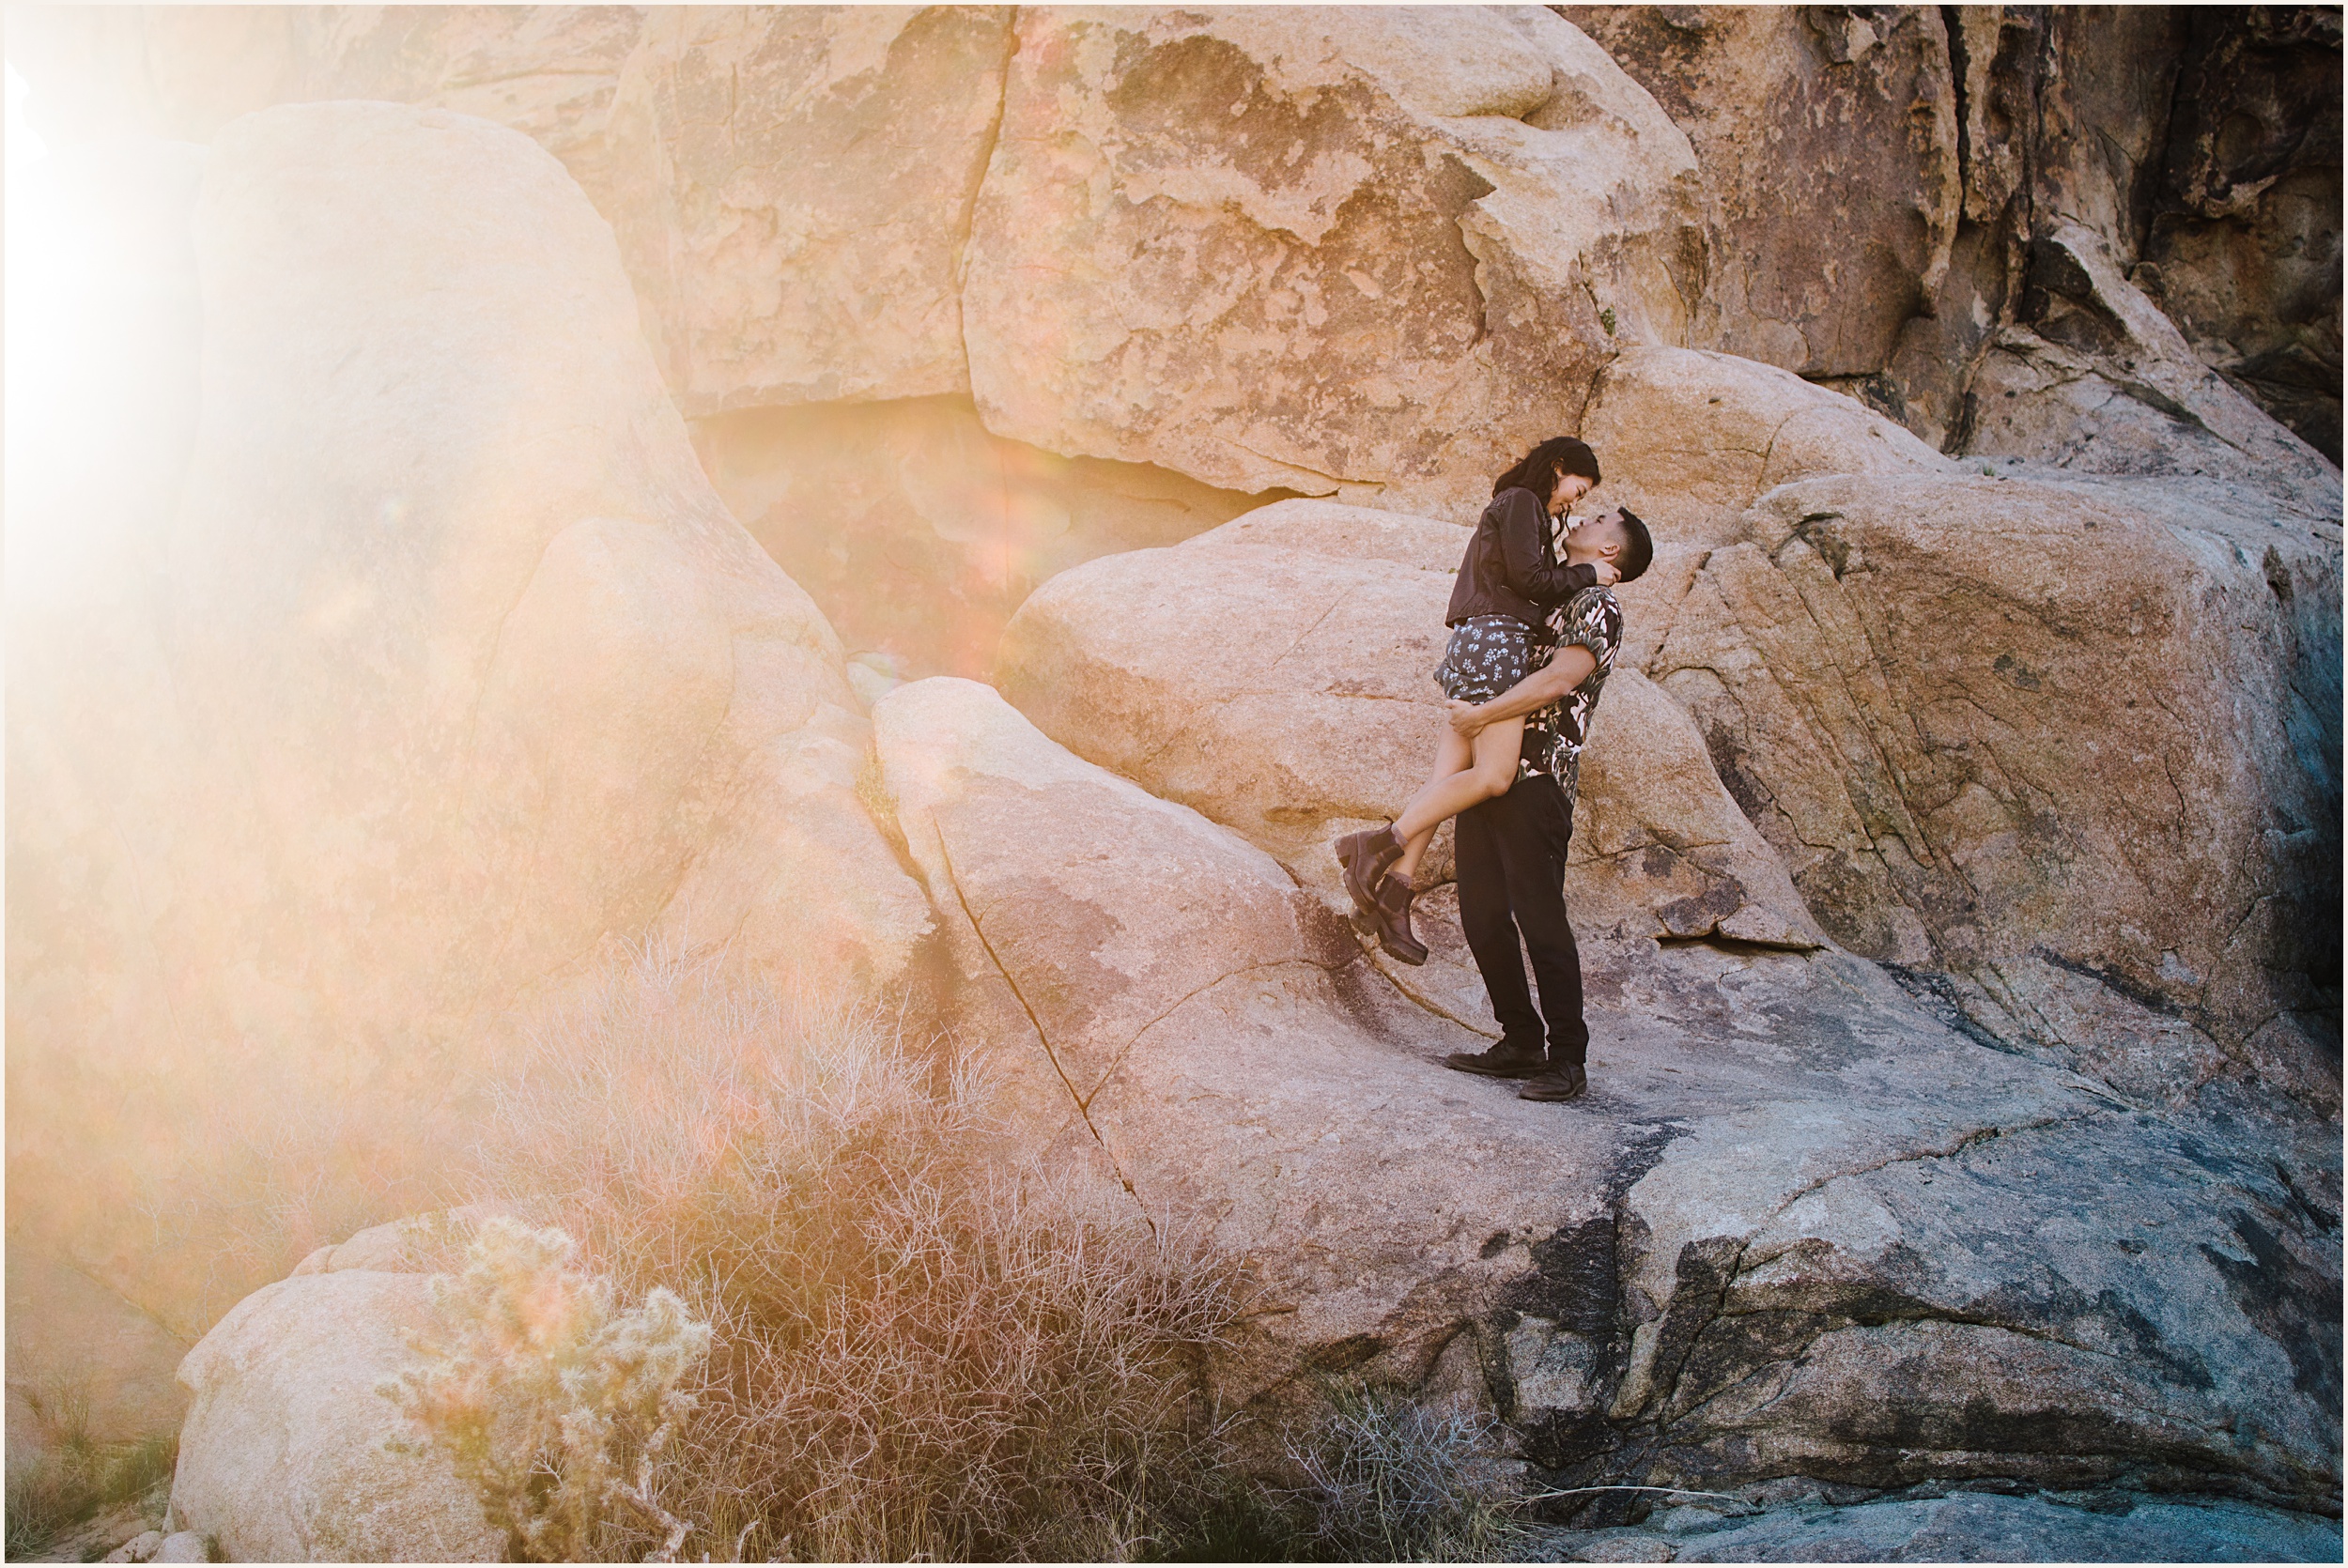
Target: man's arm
[(1571, 667)]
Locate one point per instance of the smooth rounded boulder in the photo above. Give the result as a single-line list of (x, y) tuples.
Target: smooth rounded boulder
[(1277, 674), (285, 1454)]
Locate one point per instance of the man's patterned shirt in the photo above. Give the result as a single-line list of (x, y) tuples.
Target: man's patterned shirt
[(1553, 736)]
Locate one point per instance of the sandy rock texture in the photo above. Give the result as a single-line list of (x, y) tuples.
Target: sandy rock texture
[(528, 687), (1689, 440), (1324, 715), (1460, 213), (791, 188), (1875, 185), (1843, 117), (1464, 212), (1711, 1271), (284, 1455)]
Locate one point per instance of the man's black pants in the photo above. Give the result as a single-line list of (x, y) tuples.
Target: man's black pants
[(1511, 857)]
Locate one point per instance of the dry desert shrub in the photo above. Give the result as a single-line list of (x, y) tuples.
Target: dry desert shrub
[(552, 1403), (919, 1351), (1387, 1479)]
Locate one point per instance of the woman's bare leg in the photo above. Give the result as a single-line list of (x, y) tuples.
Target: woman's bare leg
[(1453, 755), (1445, 795)]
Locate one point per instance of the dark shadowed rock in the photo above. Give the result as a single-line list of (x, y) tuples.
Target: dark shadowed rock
[(2244, 244)]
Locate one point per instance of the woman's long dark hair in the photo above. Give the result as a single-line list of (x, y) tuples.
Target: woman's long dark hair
[(1539, 469)]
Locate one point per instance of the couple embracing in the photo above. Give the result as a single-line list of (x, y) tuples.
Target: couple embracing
[(1533, 640)]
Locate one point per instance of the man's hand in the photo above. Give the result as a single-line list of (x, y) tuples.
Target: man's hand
[(1467, 718), (1607, 574)]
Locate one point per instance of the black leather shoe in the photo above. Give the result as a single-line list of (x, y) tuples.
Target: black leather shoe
[(1393, 921), (1366, 857), (1502, 1061), (1567, 1082)]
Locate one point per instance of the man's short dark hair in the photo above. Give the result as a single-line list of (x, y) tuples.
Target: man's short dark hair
[(1637, 548)]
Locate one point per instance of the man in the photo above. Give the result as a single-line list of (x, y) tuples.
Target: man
[(1511, 850)]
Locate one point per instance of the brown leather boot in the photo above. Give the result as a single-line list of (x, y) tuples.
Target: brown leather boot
[(1394, 920), (1366, 857), (1504, 1060), (1562, 1081)]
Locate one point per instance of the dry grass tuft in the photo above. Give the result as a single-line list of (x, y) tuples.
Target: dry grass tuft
[(1389, 1481), (918, 1353), (71, 1476)]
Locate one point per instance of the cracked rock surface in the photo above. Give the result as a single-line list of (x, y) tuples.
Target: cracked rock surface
[(2063, 740), (1801, 1225)]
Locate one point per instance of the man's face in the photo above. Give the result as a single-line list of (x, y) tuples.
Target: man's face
[(1592, 538)]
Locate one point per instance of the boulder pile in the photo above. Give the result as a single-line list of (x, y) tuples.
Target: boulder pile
[(1957, 856)]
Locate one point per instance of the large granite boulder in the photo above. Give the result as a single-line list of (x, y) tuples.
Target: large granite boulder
[(287, 1455), (1801, 1226), (1277, 675), (429, 663), (1829, 141), (791, 188), (1373, 253), (2047, 736), (1689, 439)]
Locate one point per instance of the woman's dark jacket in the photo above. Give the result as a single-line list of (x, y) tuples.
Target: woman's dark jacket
[(1509, 569)]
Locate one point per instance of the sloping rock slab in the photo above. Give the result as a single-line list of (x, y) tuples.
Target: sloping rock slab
[(1800, 1226)]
